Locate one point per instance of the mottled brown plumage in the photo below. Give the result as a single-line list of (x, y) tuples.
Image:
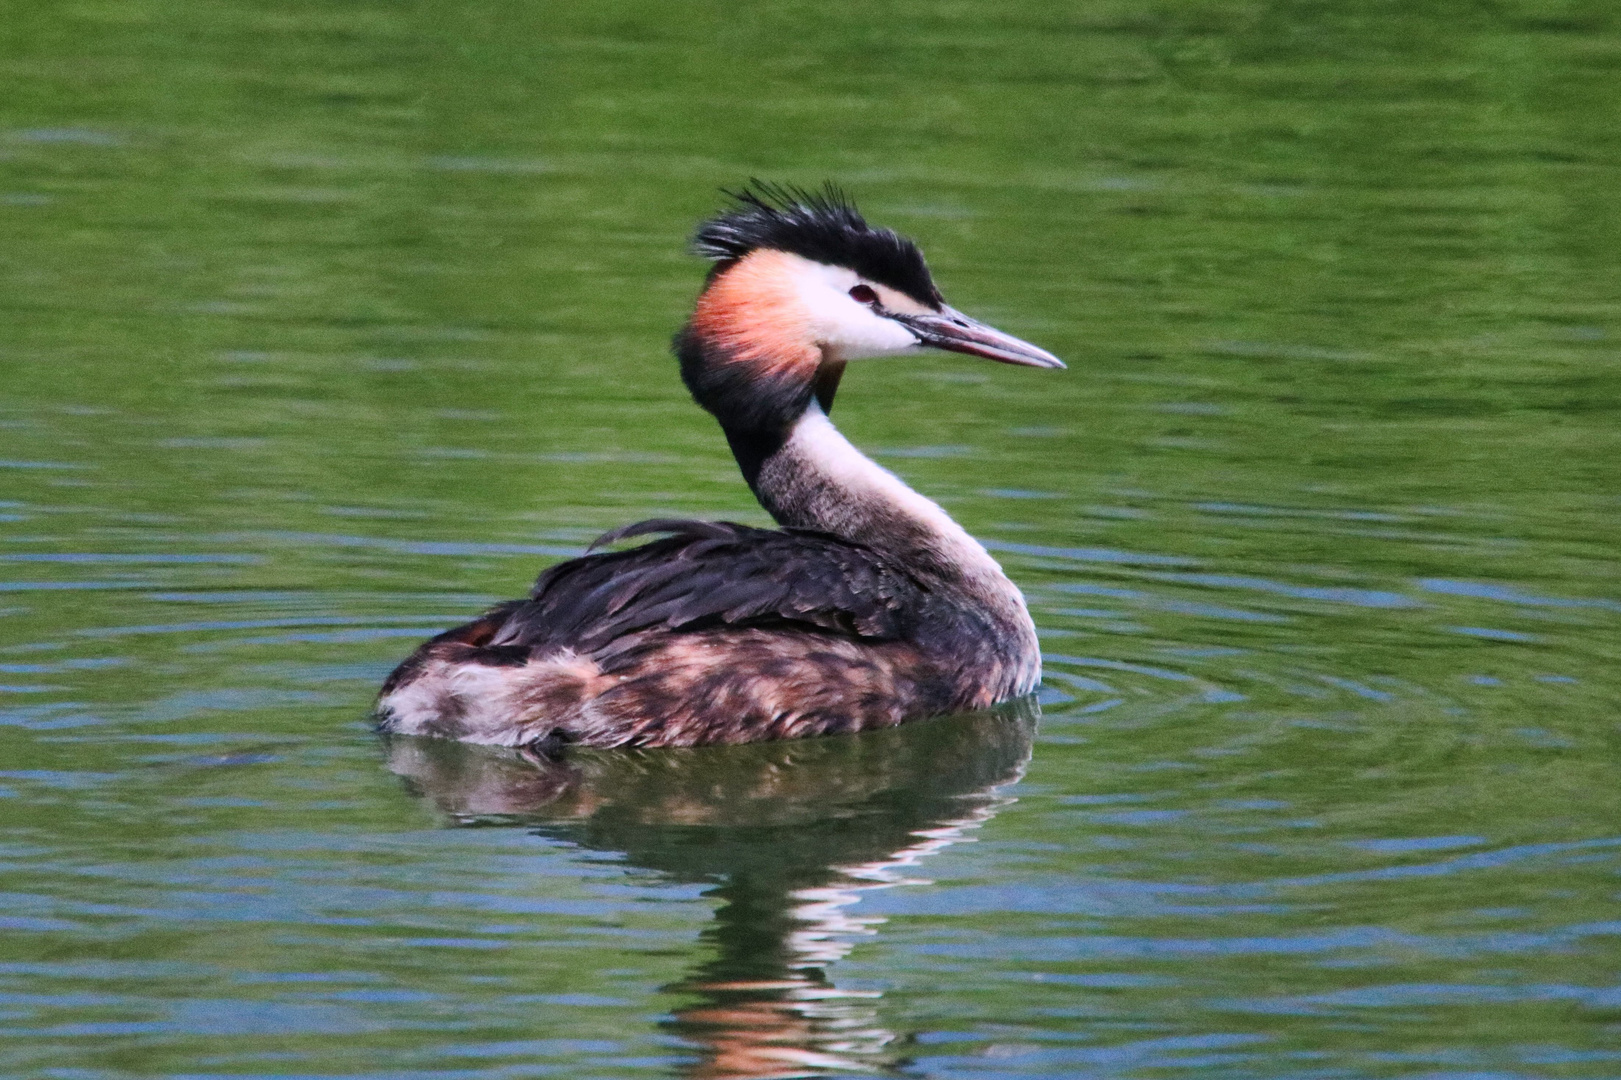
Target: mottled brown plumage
[(719, 633)]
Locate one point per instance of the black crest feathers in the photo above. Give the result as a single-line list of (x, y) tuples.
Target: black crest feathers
[(823, 226)]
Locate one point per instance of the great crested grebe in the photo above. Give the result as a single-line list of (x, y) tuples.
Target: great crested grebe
[(869, 607)]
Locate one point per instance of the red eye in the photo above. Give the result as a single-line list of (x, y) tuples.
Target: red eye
[(863, 294)]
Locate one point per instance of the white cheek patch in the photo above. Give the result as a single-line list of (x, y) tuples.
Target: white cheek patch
[(846, 328)]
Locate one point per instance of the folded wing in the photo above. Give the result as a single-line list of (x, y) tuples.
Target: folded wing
[(709, 574)]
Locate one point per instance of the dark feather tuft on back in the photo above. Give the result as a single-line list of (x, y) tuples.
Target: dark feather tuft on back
[(823, 226), (709, 573)]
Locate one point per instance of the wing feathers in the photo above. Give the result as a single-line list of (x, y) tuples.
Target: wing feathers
[(684, 526), (708, 573)]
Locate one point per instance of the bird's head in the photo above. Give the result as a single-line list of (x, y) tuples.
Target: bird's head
[(802, 285)]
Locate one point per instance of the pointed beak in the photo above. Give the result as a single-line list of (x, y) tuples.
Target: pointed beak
[(953, 331)]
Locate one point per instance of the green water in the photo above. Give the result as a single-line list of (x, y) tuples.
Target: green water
[(323, 325)]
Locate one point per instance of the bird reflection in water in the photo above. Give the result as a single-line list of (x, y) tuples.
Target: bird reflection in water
[(791, 834)]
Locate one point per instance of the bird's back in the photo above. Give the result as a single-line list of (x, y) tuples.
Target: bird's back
[(716, 633)]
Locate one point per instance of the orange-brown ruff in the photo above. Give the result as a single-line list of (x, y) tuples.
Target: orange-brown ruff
[(752, 315), (869, 607)]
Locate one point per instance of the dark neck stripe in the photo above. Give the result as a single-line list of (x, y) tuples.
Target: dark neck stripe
[(752, 449), (827, 384), (741, 396)]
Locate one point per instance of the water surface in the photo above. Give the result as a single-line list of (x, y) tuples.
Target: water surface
[(322, 326)]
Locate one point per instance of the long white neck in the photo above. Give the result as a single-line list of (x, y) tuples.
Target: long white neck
[(819, 480), (815, 479)]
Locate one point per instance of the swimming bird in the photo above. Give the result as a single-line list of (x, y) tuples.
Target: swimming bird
[(868, 607)]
